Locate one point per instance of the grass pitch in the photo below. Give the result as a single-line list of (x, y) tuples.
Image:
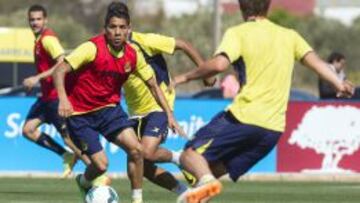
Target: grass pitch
[(40, 190)]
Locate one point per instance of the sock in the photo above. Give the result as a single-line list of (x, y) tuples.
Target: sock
[(205, 179), (137, 194), (180, 188), (47, 142), (176, 157), (84, 182)]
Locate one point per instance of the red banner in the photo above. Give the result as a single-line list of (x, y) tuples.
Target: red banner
[(320, 137)]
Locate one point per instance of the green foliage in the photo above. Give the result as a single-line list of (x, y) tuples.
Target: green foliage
[(197, 29), (77, 20), (283, 18), (16, 19), (70, 32)]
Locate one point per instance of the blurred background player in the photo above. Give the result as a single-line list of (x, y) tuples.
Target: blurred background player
[(151, 119), (48, 52), (229, 86), (237, 138), (337, 63), (97, 71)]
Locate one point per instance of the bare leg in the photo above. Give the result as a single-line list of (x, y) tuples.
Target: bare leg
[(207, 185), (152, 151), (31, 132), (129, 142), (98, 166), (201, 168)]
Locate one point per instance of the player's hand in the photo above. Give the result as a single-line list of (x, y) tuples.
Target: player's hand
[(30, 82), (175, 82), (65, 108), (171, 86), (175, 127), (209, 82), (346, 90)]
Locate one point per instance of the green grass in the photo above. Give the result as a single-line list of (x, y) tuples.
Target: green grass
[(31, 190)]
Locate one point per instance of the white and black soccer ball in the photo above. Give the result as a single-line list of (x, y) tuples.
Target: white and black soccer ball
[(102, 194)]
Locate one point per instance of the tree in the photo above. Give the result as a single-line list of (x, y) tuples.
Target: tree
[(331, 131)]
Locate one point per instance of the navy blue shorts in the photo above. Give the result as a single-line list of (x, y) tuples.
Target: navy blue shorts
[(238, 146), (47, 112), (85, 129), (155, 124)]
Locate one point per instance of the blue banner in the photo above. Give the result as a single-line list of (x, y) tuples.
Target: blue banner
[(19, 154)]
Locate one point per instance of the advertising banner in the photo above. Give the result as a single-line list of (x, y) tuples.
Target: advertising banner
[(13, 47), (20, 154), (321, 137)]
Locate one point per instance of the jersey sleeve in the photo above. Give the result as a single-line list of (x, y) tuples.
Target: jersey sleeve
[(230, 46), (160, 43), (83, 54), (143, 70), (52, 46), (301, 47)]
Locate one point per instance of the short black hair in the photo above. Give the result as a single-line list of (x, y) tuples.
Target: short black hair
[(37, 7), (254, 7), (117, 9), (335, 56)]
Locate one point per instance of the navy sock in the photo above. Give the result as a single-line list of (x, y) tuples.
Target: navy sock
[(47, 142)]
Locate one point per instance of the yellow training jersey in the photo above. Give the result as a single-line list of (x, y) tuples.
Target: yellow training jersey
[(268, 52), (52, 46), (138, 96)]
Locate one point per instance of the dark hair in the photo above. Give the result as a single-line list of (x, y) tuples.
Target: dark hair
[(254, 7), (335, 56), (117, 9), (37, 7)]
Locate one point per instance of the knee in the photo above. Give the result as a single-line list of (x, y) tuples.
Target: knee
[(136, 153), (28, 131), (102, 166), (148, 154), (186, 154)]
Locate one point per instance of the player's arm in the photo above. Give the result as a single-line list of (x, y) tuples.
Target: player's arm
[(160, 99), (315, 63), (195, 56), (304, 53), (144, 71), (55, 50), (210, 68), (31, 81), (65, 108), (228, 51), (84, 54)]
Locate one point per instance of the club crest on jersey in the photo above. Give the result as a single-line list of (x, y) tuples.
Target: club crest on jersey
[(127, 67)]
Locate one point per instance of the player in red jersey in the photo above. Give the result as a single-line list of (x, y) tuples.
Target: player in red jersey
[(48, 52), (90, 95)]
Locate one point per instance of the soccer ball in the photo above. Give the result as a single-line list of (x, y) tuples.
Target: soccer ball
[(102, 194)]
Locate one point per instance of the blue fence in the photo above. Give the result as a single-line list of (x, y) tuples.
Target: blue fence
[(18, 154)]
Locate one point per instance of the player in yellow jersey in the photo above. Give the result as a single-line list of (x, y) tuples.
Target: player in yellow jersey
[(151, 119), (237, 138)]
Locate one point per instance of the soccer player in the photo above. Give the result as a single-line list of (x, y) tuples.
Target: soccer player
[(151, 119), (48, 52), (237, 138), (90, 95)]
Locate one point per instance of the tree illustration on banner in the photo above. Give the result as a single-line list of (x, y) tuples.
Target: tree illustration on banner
[(331, 131)]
